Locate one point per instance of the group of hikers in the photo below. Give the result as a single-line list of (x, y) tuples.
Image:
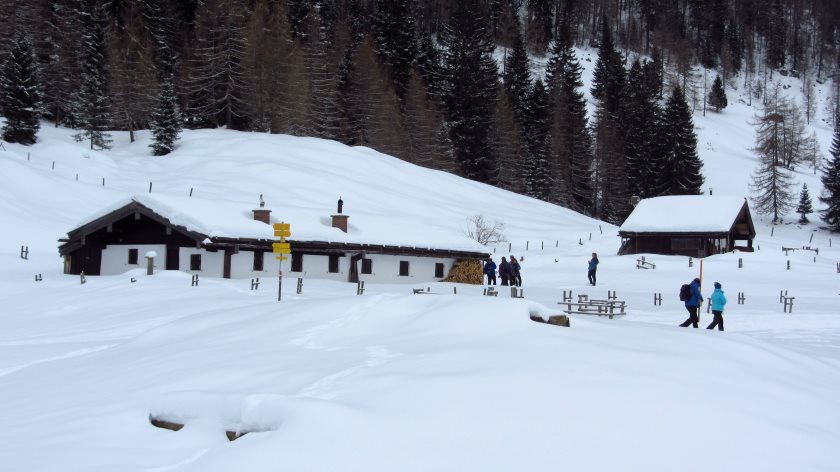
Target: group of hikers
[(511, 274), (509, 271), (694, 300)]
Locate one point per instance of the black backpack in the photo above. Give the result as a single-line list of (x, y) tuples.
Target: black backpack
[(685, 292)]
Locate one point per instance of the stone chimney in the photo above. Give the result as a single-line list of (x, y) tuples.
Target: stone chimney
[(339, 220), (261, 213)]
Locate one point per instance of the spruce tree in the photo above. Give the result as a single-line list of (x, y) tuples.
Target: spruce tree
[(166, 119), (538, 21), (643, 122), (609, 89), (92, 104), (569, 132), (60, 64), (469, 88), (680, 151), (831, 185), (537, 169), (776, 35), (395, 31), (805, 206), (517, 78), (20, 92), (717, 95), (608, 78)]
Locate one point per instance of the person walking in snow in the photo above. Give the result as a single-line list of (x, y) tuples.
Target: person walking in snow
[(693, 304), (504, 271), (490, 271), (718, 300), (593, 266), (515, 272)]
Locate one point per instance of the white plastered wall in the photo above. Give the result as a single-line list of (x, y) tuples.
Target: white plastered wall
[(115, 258)]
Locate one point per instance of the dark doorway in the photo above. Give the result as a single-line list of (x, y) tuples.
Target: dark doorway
[(172, 260)]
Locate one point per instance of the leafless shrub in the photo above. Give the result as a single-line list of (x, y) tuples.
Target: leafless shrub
[(484, 232)]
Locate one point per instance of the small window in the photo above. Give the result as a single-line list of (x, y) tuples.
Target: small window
[(367, 266), (258, 261), (195, 261), (403, 268), (132, 256), (439, 270), (297, 262), (333, 263)]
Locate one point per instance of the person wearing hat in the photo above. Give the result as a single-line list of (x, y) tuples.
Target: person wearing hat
[(718, 301), (693, 304)]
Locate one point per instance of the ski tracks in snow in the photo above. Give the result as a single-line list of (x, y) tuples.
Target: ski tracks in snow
[(328, 387), (67, 355)]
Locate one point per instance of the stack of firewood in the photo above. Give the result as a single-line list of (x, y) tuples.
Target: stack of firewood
[(466, 271)]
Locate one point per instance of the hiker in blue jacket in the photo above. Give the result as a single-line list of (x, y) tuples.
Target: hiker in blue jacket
[(490, 270), (693, 304), (593, 267), (718, 300)]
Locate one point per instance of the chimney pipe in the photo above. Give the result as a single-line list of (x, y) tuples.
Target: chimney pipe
[(261, 213), (339, 220)]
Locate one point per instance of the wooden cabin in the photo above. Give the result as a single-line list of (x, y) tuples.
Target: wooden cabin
[(688, 225)]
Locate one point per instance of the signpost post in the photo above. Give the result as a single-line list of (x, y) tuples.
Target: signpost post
[(281, 231)]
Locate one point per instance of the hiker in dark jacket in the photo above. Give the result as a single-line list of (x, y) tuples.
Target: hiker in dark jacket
[(693, 304), (515, 275), (718, 300), (504, 271), (490, 271)]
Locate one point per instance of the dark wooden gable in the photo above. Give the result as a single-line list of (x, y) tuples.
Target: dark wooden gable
[(743, 226), (134, 223)]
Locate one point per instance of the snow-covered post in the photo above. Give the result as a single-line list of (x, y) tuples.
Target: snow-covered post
[(150, 262)]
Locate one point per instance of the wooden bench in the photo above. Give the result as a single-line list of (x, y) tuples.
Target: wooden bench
[(420, 291), (608, 308), (641, 263), (491, 292)]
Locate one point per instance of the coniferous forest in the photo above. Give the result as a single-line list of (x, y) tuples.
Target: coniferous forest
[(446, 84)]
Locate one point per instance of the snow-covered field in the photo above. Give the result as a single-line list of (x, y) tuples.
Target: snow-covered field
[(388, 381)]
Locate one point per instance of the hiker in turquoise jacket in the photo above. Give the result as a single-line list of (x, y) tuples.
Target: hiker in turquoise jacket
[(718, 301)]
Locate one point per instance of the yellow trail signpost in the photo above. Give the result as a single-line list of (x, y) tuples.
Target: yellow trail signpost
[(281, 231)]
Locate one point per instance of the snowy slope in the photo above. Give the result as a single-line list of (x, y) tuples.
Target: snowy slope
[(327, 380)]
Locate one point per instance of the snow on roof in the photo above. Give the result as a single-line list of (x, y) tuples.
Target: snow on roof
[(234, 219), (683, 214)]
